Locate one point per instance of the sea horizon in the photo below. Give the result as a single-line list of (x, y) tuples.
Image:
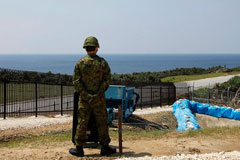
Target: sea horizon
[(119, 62)]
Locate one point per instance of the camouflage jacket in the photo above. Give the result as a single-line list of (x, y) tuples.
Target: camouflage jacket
[(91, 76)]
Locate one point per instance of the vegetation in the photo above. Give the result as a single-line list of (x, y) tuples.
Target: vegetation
[(159, 76), (182, 78), (175, 75), (233, 84), (30, 76)]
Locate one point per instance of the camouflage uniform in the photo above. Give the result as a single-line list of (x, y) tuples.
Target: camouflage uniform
[(91, 79)]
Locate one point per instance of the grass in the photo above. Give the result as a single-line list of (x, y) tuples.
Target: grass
[(35, 141), (195, 77), (55, 138)]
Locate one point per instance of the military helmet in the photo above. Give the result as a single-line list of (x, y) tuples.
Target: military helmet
[(91, 42)]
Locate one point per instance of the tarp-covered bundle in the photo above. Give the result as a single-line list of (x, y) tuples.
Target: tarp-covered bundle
[(185, 118), (184, 109), (215, 111)]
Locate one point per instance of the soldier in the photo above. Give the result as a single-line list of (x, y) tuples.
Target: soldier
[(91, 79)]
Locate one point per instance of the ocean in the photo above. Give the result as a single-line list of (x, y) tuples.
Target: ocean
[(119, 63)]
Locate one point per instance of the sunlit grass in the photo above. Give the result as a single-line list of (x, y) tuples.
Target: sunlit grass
[(195, 77)]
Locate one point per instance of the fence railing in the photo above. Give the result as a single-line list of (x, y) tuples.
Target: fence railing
[(21, 98), (151, 96), (24, 99)]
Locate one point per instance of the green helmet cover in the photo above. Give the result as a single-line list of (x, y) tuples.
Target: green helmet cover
[(91, 42)]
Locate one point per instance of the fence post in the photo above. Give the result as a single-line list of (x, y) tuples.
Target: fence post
[(188, 92), (151, 96), (168, 95), (36, 99), (193, 92), (141, 98), (4, 99), (174, 93), (160, 96), (61, 100), (54, 105), (228, 95), (208, 98)]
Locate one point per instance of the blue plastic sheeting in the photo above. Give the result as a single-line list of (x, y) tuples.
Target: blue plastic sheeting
[(215, 111), (185, 118), (184, 109)]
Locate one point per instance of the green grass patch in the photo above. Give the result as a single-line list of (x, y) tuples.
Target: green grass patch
[(196, 77), (35, 141)]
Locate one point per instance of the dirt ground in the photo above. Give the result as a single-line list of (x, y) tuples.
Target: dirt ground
[(137, 148), (169, 144)]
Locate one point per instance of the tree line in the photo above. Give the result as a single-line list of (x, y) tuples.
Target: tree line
[(31, 76), (129, 78)]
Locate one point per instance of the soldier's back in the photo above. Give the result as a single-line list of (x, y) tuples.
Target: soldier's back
[(92, 70)]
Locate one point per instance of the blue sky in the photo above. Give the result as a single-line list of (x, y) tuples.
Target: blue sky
[(122, 26)]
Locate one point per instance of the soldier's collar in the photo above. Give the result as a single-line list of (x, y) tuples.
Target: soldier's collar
[(92, 55)]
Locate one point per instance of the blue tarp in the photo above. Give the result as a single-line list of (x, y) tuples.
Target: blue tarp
[(185, 118), (184, 109)]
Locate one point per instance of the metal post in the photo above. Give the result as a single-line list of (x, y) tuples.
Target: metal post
[(188, 92), (174, 93), (54, 105), (160, 96), (193, 92), (120, 128), (168, 95), (4, 99), (208, 98), (61, 100), (36, 99), (151, 96), (228, 95), (141, 98)]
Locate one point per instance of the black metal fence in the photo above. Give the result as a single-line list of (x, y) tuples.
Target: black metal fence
[(151, 96), (24, 99), (20, 98)]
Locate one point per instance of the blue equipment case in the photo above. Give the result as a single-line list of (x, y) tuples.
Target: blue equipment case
[(120, 95)]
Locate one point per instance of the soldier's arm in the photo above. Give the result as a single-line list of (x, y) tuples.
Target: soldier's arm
[(77, 82), (106, 79)]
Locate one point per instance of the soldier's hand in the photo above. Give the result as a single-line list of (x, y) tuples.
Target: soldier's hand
[(93, 98)]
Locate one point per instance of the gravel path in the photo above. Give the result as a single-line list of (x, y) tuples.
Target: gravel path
[(32, 122), (235, 155), (152, 110)]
